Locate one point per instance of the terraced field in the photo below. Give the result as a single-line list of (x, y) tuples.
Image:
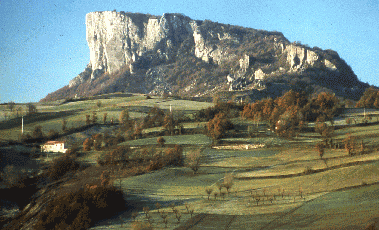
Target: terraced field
[(283, 185)]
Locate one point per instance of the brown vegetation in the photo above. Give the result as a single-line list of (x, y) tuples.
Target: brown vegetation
[(218, 126), (369, 99), (288, 114), (193, 160)]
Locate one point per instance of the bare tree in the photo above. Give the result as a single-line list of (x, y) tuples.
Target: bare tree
[(105, 117), (11, 105), (31, 108), (321, 149), (228, 182), (98, 104), (194, 158)]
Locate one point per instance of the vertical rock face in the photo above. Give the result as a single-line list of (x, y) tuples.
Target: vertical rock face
[(297, 56), (175, 54), (117, 40)]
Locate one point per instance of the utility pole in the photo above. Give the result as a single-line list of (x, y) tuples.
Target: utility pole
[(22, 125)]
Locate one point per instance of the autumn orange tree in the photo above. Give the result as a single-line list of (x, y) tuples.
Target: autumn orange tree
[(323, 128), (349, 144), (169, 123), (328, 105), (218, 125), (283, 114), (290, 113), (369, 99), (97, 141), (87, 144)]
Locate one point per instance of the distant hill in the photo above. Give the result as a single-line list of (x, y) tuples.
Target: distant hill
[(174, 54)]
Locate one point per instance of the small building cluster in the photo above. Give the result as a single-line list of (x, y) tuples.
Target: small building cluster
[(54, 146)]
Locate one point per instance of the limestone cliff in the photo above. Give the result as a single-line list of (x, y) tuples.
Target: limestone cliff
[(117, 39), (172, 53)]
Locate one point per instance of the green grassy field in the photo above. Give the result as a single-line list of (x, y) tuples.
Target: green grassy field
[(292, 165)]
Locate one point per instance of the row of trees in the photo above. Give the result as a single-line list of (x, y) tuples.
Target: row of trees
[(290, 113), (18, 111)]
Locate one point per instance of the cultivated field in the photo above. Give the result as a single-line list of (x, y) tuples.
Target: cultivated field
[(280, 184)]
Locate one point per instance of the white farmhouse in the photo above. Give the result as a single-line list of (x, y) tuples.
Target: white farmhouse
[(54, 146)]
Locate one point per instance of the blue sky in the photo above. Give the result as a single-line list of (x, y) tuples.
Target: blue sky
[(43, 44)]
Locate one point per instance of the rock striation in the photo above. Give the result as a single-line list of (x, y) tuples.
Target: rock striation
[(117, 40), (172, 53)]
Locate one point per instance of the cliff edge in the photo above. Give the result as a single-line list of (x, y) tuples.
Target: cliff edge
[(131, 52)]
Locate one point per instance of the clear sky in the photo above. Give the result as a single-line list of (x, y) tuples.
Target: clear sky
[(43, 43)]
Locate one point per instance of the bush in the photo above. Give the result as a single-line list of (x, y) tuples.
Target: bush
[(13, 177), (26, 137), (119, 155), (141, 226), (52, 134), (97, 141), (320, 149), (80, 209), (59, 167), (161, 141), (87, 144), (350, 145), (174, 156), (218, 126), (37, 133)]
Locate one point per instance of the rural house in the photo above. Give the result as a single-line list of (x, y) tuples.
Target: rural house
[(54, 146)]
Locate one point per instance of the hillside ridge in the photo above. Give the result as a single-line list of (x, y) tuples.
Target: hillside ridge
[(174, 54)]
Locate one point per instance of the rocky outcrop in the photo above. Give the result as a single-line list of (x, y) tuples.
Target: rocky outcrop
[(298, 56), (174, 54), (117, 40)]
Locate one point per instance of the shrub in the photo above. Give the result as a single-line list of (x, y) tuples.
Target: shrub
[(104, 178), (228, 182), (79, 209), (308, 171), (52, 134), (98, 104), (64, 125), (94, 117), (13, 177), (97, 141), (119, 155), (37, 133), (174, 156), (161, 141), (87, 144), (59, 167), (218, 126), (141, 226), (349, 144), (26, 137), (321, 149), (323, 129), (105, 117), (88, 120), (209, 191)]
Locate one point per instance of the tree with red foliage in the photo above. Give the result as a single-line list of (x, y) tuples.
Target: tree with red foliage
[(218, 126), (369, 99), (87, 144), (161, 141)]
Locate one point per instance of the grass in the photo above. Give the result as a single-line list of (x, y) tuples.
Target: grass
[(111, 106), (279, 157), (196, 139)]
